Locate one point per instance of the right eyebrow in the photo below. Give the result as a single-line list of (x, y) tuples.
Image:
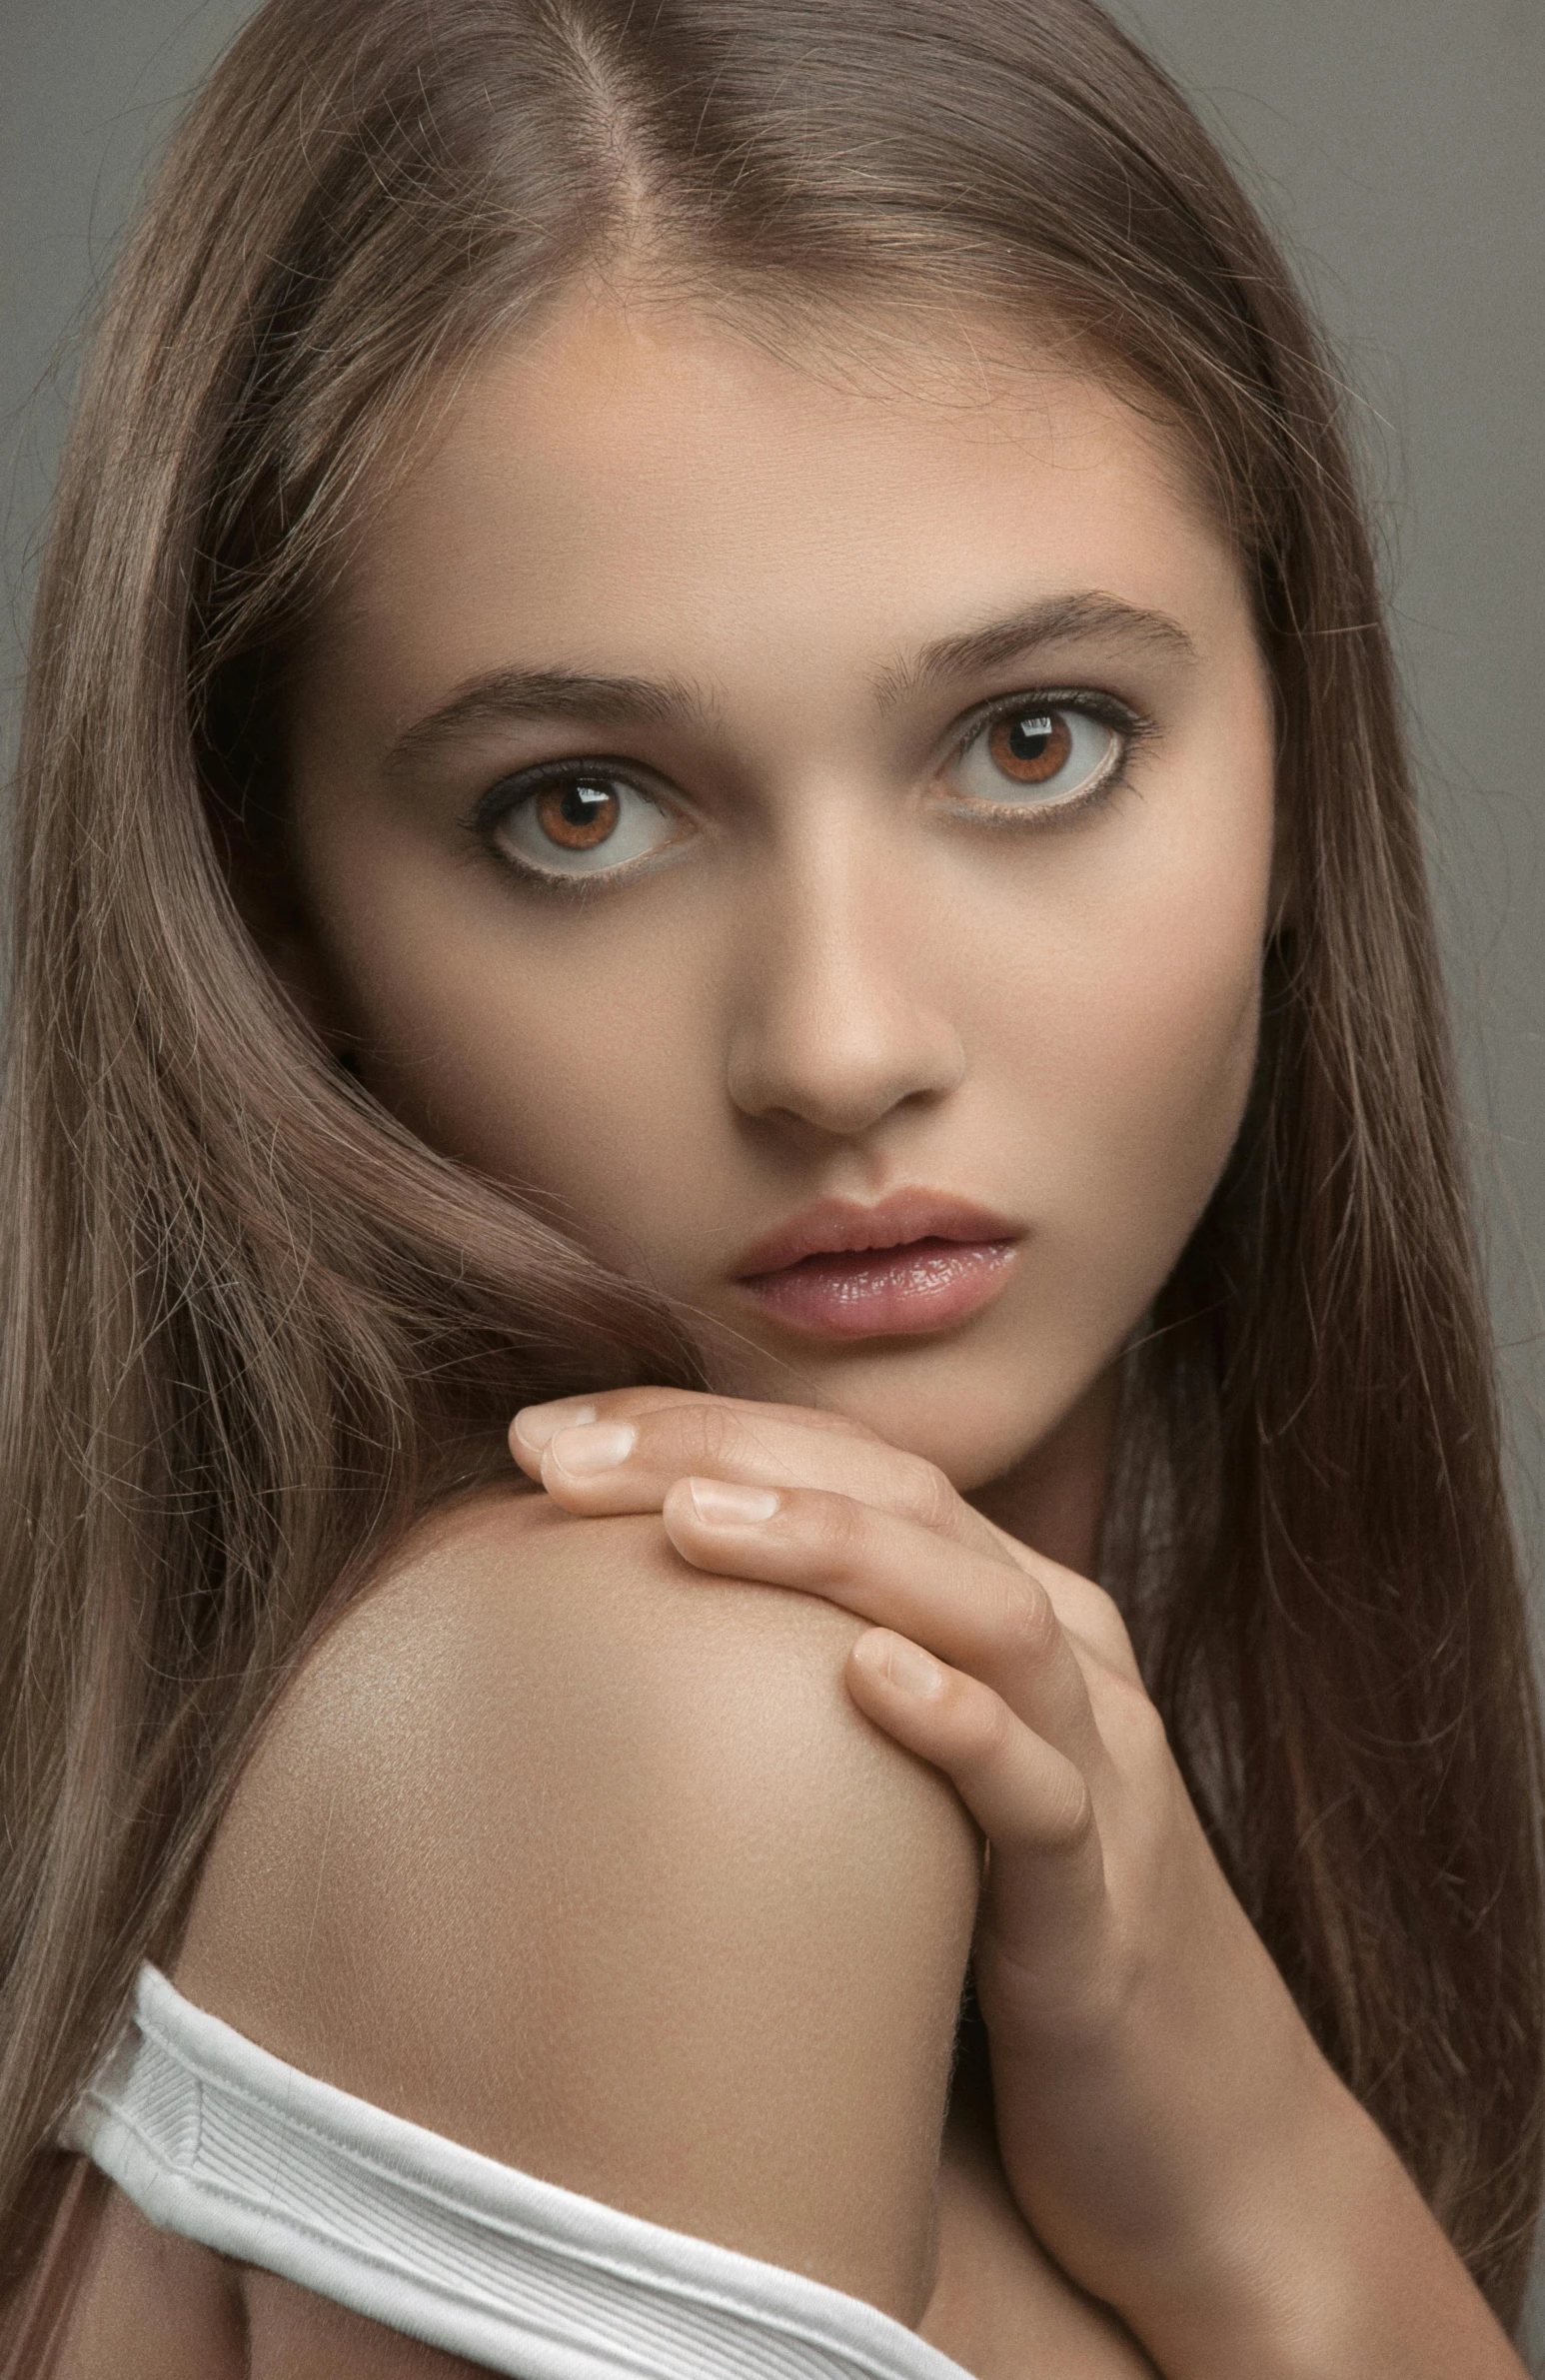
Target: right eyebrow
[(500, 695), (1023, 633)]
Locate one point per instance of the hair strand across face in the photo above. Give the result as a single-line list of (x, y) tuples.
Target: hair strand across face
[(252, 1326)]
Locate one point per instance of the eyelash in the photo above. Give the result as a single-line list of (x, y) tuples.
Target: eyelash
[(1132, 727), (491, 808)]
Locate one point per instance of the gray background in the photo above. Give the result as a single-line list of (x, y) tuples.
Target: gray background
[(1397, 145)]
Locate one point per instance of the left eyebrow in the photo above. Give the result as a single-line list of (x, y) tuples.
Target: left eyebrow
[(500, 695), (1021, 634)]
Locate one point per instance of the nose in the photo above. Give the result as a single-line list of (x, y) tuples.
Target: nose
[(838, 1021)]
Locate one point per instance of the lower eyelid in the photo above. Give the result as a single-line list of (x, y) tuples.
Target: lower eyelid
[(1126, 732), (538, 873)]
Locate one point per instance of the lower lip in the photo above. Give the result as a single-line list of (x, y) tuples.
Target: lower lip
[(885, 1293)]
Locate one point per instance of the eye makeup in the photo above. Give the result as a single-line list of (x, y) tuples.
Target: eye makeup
[(1029, 759), (1043, 756)]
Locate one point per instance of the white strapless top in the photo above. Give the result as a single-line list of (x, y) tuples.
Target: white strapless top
[(213, 2138)]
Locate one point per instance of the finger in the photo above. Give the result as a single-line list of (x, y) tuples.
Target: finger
[(626, 1462), (1025, 1795), (1045, 1875), (982, 1614), (534, 1425), (1090, 1615)]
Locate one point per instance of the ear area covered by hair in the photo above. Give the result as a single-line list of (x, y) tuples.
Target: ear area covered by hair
[(287, 942), (249, 1325), (588, 1863)]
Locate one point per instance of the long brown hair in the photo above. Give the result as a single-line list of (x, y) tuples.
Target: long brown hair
[(251, 1325)]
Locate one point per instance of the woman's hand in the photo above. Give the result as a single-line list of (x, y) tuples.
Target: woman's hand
[(1165, 2122)]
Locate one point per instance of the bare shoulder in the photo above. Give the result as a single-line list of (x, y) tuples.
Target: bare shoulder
[(586, 1860)]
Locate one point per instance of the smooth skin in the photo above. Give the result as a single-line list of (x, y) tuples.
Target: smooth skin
[(636, 1837), (853, 969), (1165, 2123)]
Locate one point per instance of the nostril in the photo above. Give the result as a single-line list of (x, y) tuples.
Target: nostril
[(844, 1090), (839, 1020)]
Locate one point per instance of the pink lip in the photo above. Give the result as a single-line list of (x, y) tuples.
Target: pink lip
[(918, 1261)]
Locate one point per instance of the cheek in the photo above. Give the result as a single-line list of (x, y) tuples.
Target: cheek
[(496, 1048), (1159, 1061), (1137, 1033)]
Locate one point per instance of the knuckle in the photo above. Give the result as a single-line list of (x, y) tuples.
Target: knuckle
[(1070, 1810), (718, 1434), (984, 1723), (1108, 1630), (930, 1498), (1025, 1624), (1133, 1729), (841, 1527)]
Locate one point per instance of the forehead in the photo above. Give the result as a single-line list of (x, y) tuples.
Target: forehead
[(656, 487)]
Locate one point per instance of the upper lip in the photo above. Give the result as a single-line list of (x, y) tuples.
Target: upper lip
[(842, 1226)]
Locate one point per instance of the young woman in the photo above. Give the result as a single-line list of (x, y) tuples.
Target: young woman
[(711, 763)]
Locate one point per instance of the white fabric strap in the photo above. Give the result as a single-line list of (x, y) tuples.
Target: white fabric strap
[(213, 2138)]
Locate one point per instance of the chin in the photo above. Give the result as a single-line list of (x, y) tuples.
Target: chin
[(971, 1445), (979, 1411), (974, 1433)]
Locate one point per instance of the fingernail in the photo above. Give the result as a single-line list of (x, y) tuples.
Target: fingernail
[(901, 1663), (716, 1500), (536, 1423), (592, 1446)]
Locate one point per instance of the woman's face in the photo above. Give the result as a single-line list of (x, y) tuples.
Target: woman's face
[(733, 797)]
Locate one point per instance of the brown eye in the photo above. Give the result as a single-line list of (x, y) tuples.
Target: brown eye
[(586, 821), (578, 816), (1031, 748), (1041, 758)]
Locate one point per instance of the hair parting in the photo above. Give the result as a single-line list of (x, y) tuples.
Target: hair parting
[(252, 1326)]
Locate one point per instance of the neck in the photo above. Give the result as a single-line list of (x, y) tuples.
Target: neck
[(1054, 1498)]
